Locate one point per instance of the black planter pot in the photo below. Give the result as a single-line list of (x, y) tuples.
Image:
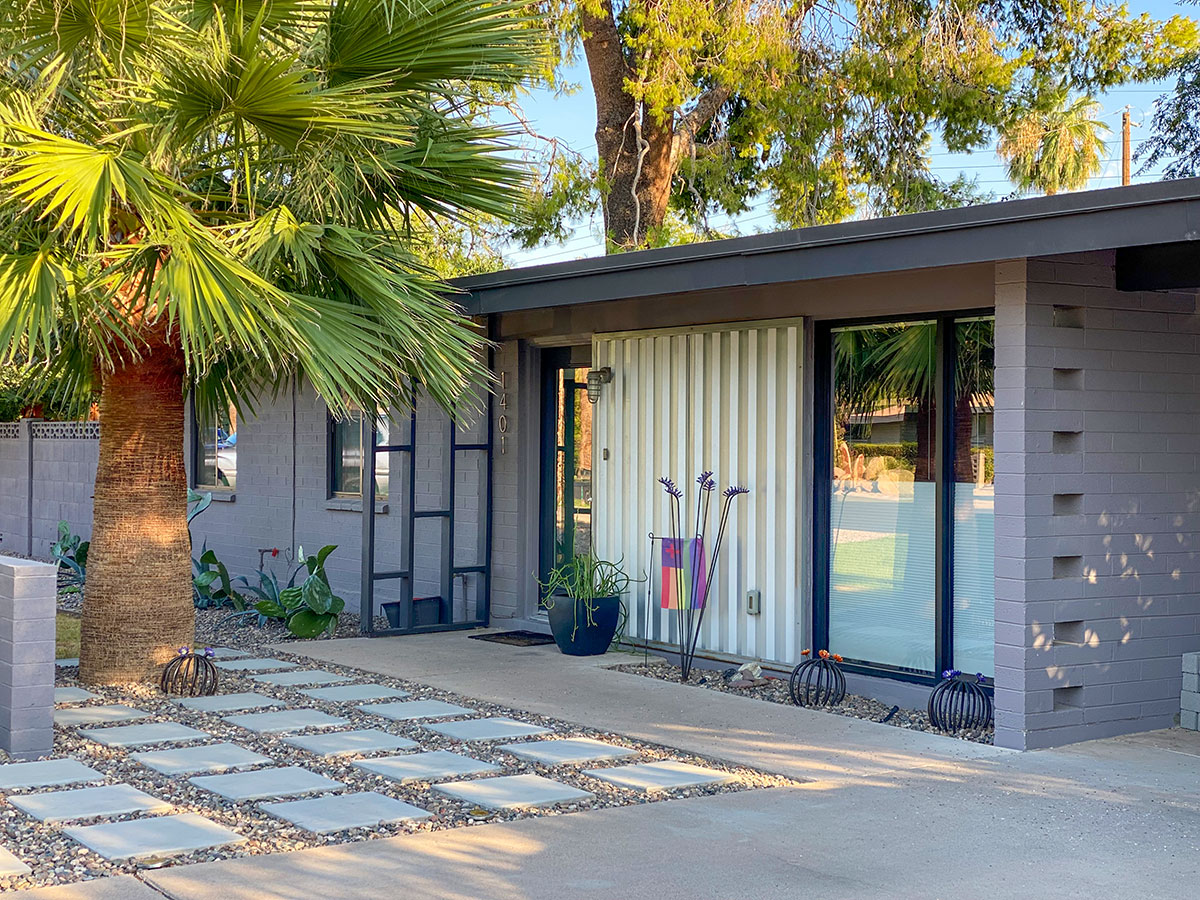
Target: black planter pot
[(578, 638)]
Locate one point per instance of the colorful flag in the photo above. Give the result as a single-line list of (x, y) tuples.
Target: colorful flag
[(683, 580)]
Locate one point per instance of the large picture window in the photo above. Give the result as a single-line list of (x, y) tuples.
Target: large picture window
[(347, 458), (906, 522), (214, 449)]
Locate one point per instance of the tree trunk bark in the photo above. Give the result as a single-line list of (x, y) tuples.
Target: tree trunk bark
[(635, 196), (137, 608)]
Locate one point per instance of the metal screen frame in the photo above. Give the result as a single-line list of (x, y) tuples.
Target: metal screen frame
[(449, 571)]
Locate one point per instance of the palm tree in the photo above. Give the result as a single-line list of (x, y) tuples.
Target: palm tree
[(1059, 149), (211, 198)]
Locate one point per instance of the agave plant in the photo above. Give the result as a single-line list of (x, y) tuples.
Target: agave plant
[(211, 197)]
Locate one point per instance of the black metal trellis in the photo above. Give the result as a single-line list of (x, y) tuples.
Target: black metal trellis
[(408, 620)]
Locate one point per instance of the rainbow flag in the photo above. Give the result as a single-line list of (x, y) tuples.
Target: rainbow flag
[(680, 576)]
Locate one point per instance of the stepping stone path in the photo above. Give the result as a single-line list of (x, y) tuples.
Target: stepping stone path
[(159, 836), (512, 792), (566, 751), (416, 709), (659, 776), (285, 720), (228, 653), (493, 729), (260, 784), (10, 865), (229, 702), (143, 735), (67, 663), (357, 692), (254, 665), (45, 773), (208, 758), (87, 803), (95, 715), (73, 695), (344, 743), (428, 766), (307, 677), (327, 814)]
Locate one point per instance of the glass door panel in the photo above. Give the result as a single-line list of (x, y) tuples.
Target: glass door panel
[(974, 588), (883, 509), (566, 461)]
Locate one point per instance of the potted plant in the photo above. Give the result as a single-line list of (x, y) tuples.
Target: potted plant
[(583, 602)]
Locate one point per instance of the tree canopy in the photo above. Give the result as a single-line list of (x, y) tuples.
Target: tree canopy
[(828, 109)]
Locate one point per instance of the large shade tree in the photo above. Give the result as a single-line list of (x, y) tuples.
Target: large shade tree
[(212, 198), (827, 109)]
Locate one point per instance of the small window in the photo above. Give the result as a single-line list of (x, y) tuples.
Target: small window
[(347, 458), (215, 450)]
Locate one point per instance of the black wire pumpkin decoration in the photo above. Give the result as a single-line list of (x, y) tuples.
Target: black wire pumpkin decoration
[(960, 702), (818, 681), (190, 674)]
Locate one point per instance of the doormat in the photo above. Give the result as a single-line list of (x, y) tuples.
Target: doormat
[(515, 638)]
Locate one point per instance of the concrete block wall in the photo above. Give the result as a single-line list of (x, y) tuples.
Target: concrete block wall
[(1189, 696), (27, 606), (1097, 501), (64, 456)]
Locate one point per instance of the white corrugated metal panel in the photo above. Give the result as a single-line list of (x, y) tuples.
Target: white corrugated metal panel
[(725, 398)]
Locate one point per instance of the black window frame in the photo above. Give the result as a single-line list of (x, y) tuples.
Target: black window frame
[(332, 453), (196, 454), (944, 503)]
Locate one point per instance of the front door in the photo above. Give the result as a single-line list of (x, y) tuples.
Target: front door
[(566, 457)]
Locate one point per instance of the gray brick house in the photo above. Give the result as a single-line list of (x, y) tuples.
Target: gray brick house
[(970, 437)]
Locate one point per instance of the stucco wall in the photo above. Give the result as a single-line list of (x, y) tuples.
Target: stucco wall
[(1097, 501)]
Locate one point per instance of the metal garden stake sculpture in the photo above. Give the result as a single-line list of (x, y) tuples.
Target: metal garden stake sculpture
[(680, 573)]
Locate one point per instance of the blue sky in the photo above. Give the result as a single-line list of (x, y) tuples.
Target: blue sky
[(572, 118)]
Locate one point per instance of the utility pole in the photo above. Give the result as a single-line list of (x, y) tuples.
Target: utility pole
[(1126, 164)]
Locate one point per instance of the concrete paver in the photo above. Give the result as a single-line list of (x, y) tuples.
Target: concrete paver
[(512, 792), (159, 836), (325, 815), (88, 802)]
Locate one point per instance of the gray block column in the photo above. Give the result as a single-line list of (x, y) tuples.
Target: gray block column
[(27, 606)]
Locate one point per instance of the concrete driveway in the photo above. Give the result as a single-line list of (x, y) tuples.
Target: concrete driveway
[(883, 812)]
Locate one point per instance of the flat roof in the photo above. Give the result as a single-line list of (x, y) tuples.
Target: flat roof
[(1161, 212)]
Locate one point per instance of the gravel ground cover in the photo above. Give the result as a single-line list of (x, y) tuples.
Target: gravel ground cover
[(774, 689), (56, 858)]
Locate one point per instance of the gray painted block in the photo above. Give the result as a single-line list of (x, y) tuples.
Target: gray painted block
[(144, 735), (1189, 719), (10, 865), (659, 776), (491, 729), (337, 813), (404, 710), (85, 803), (343, 743), (512, 792), (160, 836), (305, 677), (67, 663), (429, 766), (566, 751), (1191, 662), (287, 781), (230, 702), (45, 773), (95, 715), (357, 692), (206, 758), (285, 720), (258, 664), (72, 695)]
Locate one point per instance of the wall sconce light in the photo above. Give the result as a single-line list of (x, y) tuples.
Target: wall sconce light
[(595, 378)]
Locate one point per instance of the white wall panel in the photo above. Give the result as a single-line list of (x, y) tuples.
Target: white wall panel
[(725, 398)]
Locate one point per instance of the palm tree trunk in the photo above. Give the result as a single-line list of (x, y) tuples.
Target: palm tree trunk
[(137, 608)]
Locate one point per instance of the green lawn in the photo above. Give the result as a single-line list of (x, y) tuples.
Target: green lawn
[(66, 636)]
